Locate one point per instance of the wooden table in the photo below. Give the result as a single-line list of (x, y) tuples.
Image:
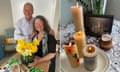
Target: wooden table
[(44, 66)]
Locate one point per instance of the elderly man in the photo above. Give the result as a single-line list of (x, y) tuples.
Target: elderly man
[(24, 26)]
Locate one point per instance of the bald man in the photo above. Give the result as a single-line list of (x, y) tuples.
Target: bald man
[(24, 26)]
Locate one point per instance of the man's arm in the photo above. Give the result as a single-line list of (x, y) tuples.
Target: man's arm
[(18, 32), (51, 32)]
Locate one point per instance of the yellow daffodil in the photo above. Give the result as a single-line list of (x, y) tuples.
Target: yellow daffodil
[(27, 48), (36, 42), (21, 41)]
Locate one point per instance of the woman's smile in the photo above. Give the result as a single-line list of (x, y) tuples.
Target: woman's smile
[(39, 25)]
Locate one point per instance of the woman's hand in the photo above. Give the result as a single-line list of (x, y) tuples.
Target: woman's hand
[(36, 61), (40, 35), (32, 35), (48, 57)]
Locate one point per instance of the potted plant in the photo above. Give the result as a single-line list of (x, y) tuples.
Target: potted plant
[(96, 6)]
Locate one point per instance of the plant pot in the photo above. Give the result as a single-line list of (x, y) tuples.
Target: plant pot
[(27, 59)]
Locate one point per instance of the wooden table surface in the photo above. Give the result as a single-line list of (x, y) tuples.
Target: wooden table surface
[(44, 66)]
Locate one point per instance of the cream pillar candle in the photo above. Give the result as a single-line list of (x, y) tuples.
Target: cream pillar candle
[(90, 57), (72, 53), (77, 12), (80, 41)]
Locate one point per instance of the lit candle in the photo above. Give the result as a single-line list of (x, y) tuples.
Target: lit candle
[(90, 57), (80, 41), (77, 12), (72, 54)]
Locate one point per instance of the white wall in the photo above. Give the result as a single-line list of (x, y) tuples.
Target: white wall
[(5, 15), (113, 7), (65, 11)]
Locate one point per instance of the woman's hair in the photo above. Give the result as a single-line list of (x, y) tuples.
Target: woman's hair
[(45, 23)]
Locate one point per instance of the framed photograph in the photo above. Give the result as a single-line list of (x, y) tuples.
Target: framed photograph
[(96, 25)]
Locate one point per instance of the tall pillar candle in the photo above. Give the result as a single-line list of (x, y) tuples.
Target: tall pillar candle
[(72, 54), (77, 12), (80, 41)]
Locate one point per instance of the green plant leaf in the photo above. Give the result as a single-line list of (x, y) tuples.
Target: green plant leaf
[(75, 55)]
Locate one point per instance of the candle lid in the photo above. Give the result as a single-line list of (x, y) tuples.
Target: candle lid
[(92, 52)]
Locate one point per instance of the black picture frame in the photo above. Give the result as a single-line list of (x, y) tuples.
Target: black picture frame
[(96, 25)]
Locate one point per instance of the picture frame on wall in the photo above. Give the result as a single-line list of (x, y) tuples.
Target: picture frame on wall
[(96, 25)]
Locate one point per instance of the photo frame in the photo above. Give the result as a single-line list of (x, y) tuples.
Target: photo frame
[(96, 25)]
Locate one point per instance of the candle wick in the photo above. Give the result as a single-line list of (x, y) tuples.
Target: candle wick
[(79, 33), (90, 50), (70, 44)]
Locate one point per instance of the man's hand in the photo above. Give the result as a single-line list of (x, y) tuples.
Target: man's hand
[(51, 32), (32, 35)]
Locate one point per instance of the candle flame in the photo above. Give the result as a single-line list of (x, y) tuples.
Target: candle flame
[(70, 44), (80, 33), (90, 48)]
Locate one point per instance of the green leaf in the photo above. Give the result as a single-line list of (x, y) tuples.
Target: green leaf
[(75, 55), (13, 60), (34, 69)]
